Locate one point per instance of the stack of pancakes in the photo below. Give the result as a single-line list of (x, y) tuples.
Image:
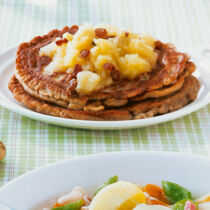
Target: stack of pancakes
[(167, 87)]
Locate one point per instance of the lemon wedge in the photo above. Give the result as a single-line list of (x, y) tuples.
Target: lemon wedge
[(122, 195)]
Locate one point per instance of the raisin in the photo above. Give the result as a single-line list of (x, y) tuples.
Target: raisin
[(126, 34), (61, 41), (101, 33), (115, 74), (109, 66), (84, 53), (73, 30), (77, 69)]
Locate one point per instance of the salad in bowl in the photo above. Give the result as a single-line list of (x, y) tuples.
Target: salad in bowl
[(117, 194)]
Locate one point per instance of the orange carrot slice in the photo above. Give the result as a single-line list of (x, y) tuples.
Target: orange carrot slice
[(155, 192)]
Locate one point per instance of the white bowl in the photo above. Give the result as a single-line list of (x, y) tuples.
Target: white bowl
[(39, 188)]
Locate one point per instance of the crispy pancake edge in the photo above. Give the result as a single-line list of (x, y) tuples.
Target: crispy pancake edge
[(138, 110), (82, 102)]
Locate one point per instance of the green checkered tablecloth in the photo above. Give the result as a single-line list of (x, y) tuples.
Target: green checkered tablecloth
[(31, 144)]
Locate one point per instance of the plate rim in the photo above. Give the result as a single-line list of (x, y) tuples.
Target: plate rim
[(96, 125)]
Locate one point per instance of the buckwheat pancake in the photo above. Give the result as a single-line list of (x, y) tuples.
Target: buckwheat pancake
[(57, 87), (102, 73), (135, 110)]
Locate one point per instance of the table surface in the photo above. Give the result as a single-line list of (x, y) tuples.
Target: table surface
[(31, 144)]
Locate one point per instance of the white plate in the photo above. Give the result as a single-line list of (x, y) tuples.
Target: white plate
[(39, 187), (202, 73)]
